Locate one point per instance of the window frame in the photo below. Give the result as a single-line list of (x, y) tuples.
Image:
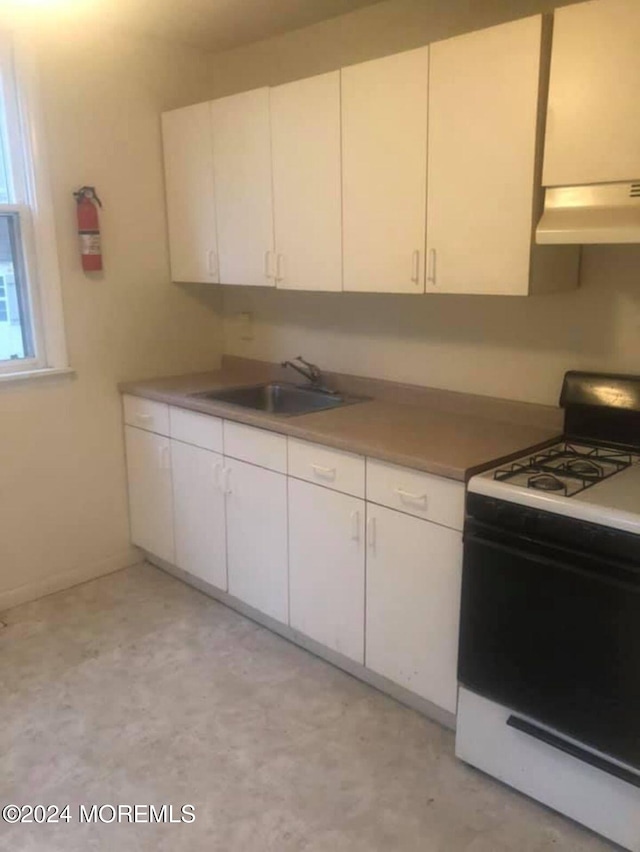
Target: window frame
[(31, 185)]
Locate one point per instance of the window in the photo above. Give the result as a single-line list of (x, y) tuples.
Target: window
[(4, 310), (31, 339)]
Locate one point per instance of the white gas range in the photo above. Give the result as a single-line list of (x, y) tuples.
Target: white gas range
[(549, 661)]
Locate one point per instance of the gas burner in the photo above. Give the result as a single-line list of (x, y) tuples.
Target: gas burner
[(585, 467), (619, 458), (546, 482)]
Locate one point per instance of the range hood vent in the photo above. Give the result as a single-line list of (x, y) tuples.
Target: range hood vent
[(596, 213)]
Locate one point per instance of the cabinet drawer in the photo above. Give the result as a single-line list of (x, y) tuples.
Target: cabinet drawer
[(146, 414), (325, 466), (201, 430), (421, 494), (256, 446)]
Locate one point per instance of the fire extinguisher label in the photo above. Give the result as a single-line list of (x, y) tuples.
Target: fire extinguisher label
[(90, 242)]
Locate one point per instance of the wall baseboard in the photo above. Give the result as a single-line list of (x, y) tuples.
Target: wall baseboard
[(383, 684), (48, 585)]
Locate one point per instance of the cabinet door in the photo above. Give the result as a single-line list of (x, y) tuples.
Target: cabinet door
[(414, 570), (384, 172), (305, 132), (326, 567), (242, 169), (199, 514), (483, 107), (257, 537), (150, 498), (188, 167), (593, 121)]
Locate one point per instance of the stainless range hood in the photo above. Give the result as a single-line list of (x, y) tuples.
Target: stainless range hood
[(595, 213)]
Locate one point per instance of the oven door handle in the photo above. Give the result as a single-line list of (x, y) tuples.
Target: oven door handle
[(573, 749), (632, 584)]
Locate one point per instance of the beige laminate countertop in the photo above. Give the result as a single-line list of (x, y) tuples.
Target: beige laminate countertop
[(419, 429)]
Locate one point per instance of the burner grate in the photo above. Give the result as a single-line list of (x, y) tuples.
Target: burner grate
[(567, 467)]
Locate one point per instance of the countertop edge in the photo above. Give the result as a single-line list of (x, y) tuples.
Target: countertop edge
[(286, 426)]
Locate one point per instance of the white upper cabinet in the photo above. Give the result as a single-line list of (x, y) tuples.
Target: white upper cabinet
[(189, 186), (384, 172), (305, 133), (244, 207), (484, 96), (593, 122), (420, 171)]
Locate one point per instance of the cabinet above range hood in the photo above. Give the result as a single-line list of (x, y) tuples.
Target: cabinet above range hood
[(591, 170)]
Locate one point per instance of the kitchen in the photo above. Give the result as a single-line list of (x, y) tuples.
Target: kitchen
[(131, 325)]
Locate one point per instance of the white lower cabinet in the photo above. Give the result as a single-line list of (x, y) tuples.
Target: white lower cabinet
[(385, 594), (327, 567), (257, 537), (414, 570), (199, 513), (150, 491)]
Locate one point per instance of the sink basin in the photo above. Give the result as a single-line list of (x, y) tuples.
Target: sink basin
[(278, 398)]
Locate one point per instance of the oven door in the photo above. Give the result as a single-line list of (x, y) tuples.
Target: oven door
[(554, 634)]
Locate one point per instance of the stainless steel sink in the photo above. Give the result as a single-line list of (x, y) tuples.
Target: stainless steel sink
[(279, 398)]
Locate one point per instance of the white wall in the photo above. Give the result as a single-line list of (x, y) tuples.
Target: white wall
[(514, 348), (63, 508)]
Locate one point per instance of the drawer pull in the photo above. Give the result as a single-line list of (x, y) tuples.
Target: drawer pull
[(573, 749), (144, 418), (324, 472), (419, 500)]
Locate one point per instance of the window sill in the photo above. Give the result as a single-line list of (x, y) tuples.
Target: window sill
[(40, 373)]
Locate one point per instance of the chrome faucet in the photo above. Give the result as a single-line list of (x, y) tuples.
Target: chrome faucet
[(310, 371)]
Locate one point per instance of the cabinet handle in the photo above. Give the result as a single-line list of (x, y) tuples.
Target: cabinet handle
[(324, 472), (410, 497), (355, 525), (267, 264), (144, 418), (415, 266), (212, 264), (280, 268), (371, 533), (431, 272), (227, 480)]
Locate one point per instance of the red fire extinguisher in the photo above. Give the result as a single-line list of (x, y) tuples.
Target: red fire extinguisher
[(89, 228)]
